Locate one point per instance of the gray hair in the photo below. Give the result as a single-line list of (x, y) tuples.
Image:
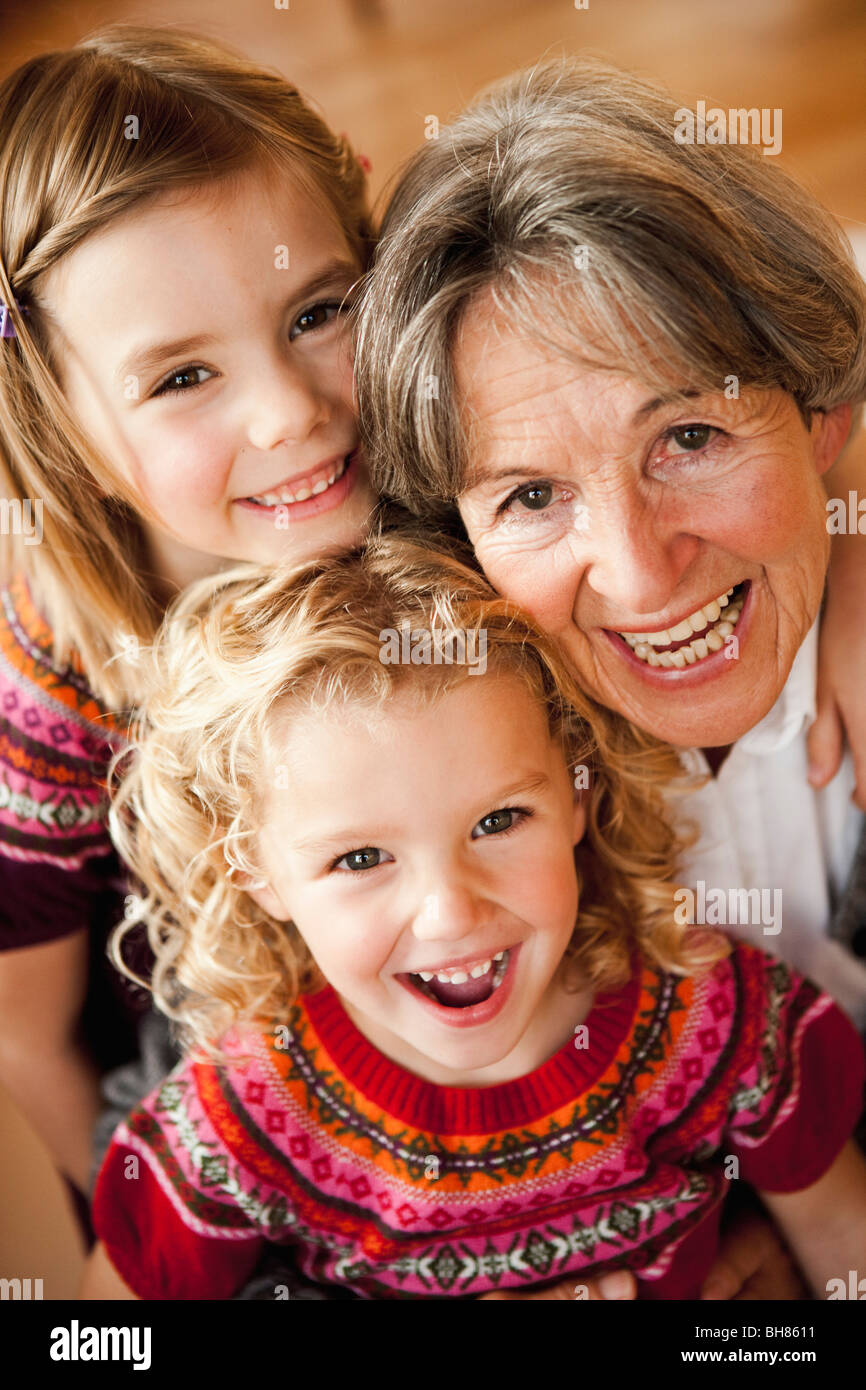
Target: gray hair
[(688, 262)]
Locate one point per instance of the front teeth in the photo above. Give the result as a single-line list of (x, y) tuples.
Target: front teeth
[(283, 498), (460, 976), (457, 977), (722, 617)]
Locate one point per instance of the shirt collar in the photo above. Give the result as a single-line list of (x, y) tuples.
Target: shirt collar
[(795, 708)]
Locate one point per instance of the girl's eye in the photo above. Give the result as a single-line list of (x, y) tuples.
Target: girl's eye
[(500, 822), (316, 317), (179, 381), (368, 858)]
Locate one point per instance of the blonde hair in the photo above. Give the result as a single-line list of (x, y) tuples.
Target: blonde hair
[(236, 649), (563, 190), (205, 113)]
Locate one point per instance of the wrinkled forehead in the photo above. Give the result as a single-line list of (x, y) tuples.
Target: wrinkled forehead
[(519, 376)]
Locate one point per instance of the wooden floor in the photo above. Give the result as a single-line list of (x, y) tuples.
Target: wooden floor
[(378, 68)]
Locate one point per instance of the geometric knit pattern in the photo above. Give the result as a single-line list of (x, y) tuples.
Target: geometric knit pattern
[(59, 871), (56, 740), (616, 1154)]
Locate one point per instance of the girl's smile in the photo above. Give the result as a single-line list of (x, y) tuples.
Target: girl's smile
[(438, 906), (317, 490), (467, 998)]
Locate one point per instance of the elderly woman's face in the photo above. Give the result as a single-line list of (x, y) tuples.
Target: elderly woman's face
[(605, 511)]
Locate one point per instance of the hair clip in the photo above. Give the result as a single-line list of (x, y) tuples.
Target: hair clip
[(362, 159), (7, 327)]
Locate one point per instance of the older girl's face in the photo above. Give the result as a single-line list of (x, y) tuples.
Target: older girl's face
[(205, 351), (676, 547)]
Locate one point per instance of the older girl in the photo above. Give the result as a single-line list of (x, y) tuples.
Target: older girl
[(180, 232)]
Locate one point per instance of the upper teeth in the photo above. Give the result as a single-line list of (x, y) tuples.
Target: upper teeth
[(303, 490), (714, 621), (458, 975)]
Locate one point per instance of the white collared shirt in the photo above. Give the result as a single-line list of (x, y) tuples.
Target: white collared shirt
[(763, 826)]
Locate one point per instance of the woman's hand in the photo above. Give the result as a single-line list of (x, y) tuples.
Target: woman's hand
[(752, 1264)]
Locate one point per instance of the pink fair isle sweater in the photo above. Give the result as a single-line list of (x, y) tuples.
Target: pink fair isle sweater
[(614, 1155)]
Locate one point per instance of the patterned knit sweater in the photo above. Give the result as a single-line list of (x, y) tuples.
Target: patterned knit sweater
[(614, 1154), (58, 870)]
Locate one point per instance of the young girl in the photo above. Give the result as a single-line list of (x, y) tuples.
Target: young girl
[(431, 1046), (178, 235)]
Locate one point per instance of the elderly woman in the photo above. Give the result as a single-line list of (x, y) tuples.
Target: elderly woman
[(630, 362)]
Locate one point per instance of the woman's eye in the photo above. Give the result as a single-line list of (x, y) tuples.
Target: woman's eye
[(183, 380), (691, 437), (532, 497), (535, 497), (500, 821), (316, 317), (368, 858)]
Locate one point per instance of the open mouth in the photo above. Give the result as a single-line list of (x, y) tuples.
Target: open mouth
[(462, 988), (694, 639), (313, 485)]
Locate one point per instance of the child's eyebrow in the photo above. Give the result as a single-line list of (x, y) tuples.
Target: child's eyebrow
[(146, 357), (357, 839), (335, 270), (537, 782)]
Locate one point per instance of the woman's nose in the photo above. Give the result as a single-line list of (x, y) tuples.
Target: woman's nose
[(638, 561), (286, 404)]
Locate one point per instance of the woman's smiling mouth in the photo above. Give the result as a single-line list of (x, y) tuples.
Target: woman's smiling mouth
[(695, 639)]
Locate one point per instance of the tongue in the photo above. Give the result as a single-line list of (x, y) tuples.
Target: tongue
[(461, 996)]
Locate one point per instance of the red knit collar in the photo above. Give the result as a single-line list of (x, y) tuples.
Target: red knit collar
[(561, 1080)]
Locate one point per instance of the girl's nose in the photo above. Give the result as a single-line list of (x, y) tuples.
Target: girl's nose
[(448, 912), (286, 406)]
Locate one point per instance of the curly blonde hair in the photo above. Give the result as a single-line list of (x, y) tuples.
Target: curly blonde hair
[(187, 795)]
